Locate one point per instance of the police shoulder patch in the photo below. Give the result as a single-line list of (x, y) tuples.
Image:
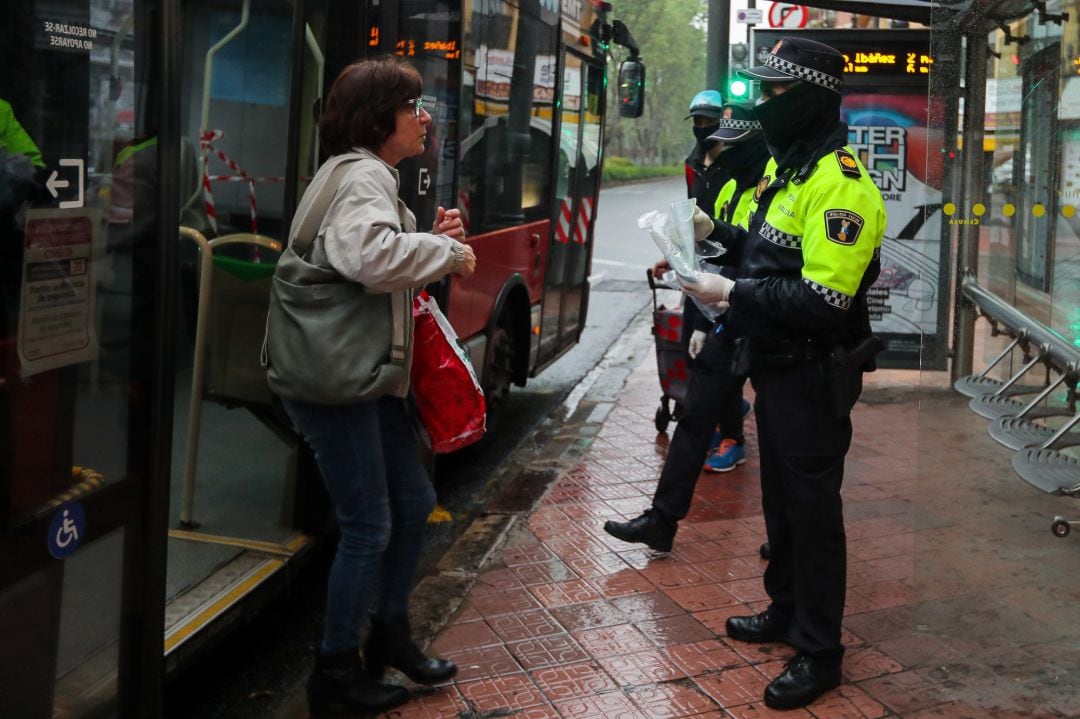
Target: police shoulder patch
[(762, 184), (843, 226), (848, 165)]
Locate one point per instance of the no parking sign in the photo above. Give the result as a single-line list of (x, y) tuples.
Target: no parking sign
[(787, 15)]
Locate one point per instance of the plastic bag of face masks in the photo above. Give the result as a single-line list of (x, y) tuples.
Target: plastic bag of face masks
[(705, 251), (673, 232)]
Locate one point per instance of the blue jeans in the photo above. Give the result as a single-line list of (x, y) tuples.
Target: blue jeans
[(370, 462)]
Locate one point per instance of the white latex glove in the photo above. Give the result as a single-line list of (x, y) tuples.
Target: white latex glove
[(703, 224), (697, 341), (708, 287)]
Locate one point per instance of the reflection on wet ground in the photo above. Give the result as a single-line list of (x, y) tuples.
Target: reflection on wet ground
[(960, 601)]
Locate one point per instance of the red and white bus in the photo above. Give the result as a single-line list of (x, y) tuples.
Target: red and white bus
[(164, 147), (516, 143)]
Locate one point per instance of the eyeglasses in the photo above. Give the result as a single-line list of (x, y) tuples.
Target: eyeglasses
[(420, 103)]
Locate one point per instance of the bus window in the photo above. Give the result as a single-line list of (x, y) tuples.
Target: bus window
[(427, 37), (237, 119), (506, 120)]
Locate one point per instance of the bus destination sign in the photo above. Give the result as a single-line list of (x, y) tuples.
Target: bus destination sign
[(891, 62)]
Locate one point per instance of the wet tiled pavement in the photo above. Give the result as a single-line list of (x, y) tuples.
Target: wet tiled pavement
[(960, 604)]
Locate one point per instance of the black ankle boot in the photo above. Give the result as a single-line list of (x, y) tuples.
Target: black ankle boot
[(651, 529), (390, 644), (337, 684)]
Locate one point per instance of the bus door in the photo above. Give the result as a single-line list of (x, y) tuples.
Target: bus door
[(577, 183), (84, 397), (252, 73)]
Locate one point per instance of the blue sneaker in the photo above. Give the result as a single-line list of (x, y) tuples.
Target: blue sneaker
[(729, 455), (717, 438), (745, 407)]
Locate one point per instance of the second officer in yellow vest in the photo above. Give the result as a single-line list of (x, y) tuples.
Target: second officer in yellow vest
[(714, 394), (799, 298)]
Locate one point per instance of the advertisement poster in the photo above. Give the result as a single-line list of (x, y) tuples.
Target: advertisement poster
[(889, 134), (56, 314), (887, 109)]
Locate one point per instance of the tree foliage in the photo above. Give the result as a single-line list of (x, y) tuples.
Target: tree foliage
[(671, 36)]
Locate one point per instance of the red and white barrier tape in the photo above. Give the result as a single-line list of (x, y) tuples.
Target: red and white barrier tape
[(206, 144)]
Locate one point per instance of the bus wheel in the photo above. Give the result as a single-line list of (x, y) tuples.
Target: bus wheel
[(498, 374)]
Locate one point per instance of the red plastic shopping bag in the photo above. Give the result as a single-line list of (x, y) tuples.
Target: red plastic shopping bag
[(444, 385)]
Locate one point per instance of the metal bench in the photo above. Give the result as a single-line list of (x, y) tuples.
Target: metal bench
[(1036, 429)]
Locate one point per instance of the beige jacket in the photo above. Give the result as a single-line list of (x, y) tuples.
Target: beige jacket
[(369, 236)]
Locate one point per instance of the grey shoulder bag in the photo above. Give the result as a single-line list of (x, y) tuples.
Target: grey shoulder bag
[(328, 340)]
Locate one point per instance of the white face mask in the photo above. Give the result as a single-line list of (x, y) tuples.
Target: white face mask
[(760, 101)]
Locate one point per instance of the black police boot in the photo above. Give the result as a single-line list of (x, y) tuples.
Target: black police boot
[(337, 684), (390, 644), (765, 627), (650, 529), (803, 680)]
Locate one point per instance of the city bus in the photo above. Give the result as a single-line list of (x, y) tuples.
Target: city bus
[(152, 153)]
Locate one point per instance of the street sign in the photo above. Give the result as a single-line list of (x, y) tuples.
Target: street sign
[(788, 15), (750, 16)]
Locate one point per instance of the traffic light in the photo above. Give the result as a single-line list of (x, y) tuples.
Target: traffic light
[(737, 87)]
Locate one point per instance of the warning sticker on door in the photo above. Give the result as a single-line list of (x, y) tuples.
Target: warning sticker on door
[(57, 309)]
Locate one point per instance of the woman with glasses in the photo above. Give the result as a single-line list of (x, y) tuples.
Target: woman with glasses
[(367, 451)]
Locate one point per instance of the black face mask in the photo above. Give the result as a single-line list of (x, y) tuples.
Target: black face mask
[(702, 133), (745, 159), (805, 112)]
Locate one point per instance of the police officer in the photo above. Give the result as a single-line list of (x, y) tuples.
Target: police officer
[(715, 391), (805, 265), (745, 155)]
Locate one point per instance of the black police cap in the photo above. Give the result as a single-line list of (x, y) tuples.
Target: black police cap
[(737, 123), (796, 58)]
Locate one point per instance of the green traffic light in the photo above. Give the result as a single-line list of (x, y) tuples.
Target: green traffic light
[(738, 88)]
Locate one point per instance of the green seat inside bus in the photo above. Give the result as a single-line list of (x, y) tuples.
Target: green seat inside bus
[(236, 323)]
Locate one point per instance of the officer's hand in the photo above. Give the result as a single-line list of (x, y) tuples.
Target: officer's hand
[(703, 224), (708, 287), (697, 341)]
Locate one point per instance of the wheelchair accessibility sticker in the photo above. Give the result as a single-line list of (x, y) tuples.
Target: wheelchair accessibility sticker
[(67, 529)]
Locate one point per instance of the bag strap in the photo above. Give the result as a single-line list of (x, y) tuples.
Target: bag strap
[(316, 210)]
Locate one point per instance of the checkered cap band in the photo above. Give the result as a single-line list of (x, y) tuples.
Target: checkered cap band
[(835, 298), (732, 124), (779, 238), (817, 77)]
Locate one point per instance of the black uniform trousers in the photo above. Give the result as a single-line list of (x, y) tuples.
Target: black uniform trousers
[(802, 444), (713, 395)]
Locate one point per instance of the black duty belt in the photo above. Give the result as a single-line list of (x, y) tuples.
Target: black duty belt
[(788, 351)]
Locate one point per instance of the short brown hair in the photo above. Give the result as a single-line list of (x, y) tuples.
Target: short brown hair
[(362, 104)]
